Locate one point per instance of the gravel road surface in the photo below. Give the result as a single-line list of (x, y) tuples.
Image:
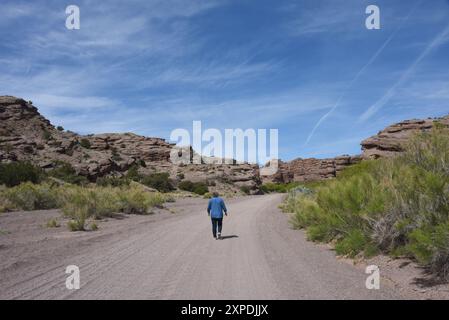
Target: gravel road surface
[(174, 256)]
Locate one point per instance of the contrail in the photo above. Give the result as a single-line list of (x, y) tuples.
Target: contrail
[(390, 93), (373, 58)]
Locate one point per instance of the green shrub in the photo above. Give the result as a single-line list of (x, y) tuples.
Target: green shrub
[(76, 225), (134, 201), (245, 189), (13, 174), (430, 246), (5, 204), (113, 181), (186, 185), (199, 188), (167, 197), (67, 173), (133, 173), (85, 143), (53, 223), (278, 187), (29, 196), (142, 163), (352, 244), (46, 135), (93, 226), (399, 206), (82, 203), (159, 181), (59, 128)]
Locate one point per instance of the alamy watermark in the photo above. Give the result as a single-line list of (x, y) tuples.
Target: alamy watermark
[(73, 280), (372, 22), (213, 146), (373, 280), (73, 20)]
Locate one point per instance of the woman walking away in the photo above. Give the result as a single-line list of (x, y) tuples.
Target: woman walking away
[(215, 210)]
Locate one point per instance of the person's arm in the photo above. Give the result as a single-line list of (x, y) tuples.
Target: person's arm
[(208, 208), (223, 206)]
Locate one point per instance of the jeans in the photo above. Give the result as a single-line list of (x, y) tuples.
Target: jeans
[(217, 223)]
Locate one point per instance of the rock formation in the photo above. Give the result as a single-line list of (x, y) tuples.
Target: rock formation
[(388, 142), (25, 135), (392, 139), (301, 170)]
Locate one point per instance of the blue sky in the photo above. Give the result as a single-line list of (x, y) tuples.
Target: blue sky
[(308, 68)]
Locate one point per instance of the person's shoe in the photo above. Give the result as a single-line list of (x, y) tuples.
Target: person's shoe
[(219, 236)]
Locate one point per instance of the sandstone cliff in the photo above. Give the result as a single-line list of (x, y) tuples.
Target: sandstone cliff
[(301, 170), (386, 143), (391, 140), (25, 135)]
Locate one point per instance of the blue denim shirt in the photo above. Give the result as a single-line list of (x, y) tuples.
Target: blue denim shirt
[(216, 207)]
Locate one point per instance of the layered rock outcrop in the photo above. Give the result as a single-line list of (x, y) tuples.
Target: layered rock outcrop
[(302, 170), (388, 142), (25, 135), (392, 139)]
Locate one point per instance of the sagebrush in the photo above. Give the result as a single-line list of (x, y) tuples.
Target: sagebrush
[(398, 206)]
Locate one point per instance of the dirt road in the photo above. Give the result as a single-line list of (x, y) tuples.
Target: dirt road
[(175, 257)]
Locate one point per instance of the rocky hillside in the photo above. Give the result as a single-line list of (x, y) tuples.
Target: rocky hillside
[(390, 141), (25, 135), (300, 170), (386, 143)]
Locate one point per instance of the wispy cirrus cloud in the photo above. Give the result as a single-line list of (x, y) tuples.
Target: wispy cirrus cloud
[(360, 73), (149, 66), (379, 104), (73, 103)]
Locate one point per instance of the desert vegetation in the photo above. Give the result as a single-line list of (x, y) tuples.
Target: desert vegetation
[(85, 143), (65, 172), (199, 188), (159, 181), (397, 206), (12, 174), (271, 187), (25, 187), (80, 203)]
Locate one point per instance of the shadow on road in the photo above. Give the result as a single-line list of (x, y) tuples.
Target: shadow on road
[(428, 279), (229, 237)]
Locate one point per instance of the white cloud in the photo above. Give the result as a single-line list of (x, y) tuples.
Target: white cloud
[(159, 117), (72, 103), (379, 104)]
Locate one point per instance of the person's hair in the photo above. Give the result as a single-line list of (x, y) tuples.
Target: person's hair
[(215, 194)]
